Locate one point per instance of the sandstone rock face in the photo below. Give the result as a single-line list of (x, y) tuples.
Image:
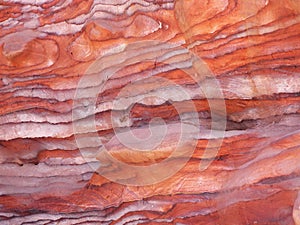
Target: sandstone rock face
[(150, 112)]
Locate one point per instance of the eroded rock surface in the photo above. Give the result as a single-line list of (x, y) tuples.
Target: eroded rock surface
[(250, 47)]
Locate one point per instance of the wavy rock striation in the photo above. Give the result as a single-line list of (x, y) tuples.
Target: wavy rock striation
[(251, 48)]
